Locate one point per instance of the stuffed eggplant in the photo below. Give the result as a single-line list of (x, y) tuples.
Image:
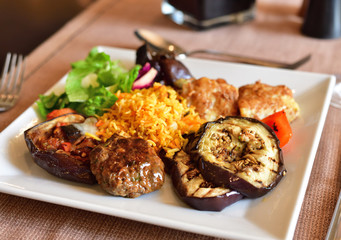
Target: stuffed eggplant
[(62, 149), (194, 190), (239, 153)]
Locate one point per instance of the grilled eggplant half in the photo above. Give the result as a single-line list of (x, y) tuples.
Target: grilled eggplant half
[(194, 190), (61, 149), (239, 153)]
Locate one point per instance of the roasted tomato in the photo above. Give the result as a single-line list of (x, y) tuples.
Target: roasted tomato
[(281, 126), (194, 190), (238, 153), (59, 112), (61, 149)]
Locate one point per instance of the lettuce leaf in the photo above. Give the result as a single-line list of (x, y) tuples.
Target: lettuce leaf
[(98, 101), (95, 98)]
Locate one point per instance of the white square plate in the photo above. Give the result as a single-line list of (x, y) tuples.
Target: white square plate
[(273, 216)]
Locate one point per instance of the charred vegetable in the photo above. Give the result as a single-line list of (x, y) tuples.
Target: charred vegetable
[(281, 126), (61, 149), (240, 153), (172, 70), (169, 69), (194, 190)]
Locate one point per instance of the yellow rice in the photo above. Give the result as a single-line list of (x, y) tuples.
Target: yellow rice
[(157, 114)]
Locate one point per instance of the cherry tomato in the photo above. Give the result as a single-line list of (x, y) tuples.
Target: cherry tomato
[(281, 126), (59, 112)]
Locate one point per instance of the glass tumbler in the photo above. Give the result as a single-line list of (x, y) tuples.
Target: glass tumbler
[(204, 14)]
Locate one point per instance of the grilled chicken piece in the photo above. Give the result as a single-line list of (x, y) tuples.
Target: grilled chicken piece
[(194, 190), (260, 100), (212, 98), (239, 153)]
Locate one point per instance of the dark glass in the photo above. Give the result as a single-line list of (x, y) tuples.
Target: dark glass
[(323, 19), (203, 14)]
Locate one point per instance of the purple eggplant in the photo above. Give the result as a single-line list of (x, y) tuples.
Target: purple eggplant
[(239, 153), (194, 190), (45, 143), (169, 68)]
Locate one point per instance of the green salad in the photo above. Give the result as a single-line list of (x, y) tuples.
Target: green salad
[(91, 85)]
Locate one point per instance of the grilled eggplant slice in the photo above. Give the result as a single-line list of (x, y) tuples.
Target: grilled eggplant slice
[(194, 190), (45, 142), (239, 153)]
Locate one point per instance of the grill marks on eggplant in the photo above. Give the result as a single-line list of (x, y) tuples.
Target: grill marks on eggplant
[(224, 161), (239, 153), (194, 190), (192, 178)]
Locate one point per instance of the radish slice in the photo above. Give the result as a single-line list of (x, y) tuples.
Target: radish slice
[(146, 67), (146, 80)]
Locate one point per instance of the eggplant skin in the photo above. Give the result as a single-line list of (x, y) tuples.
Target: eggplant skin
[(167, 161), (169, 68), (64, 166), (194, 190), (239, 153), (57, 162)]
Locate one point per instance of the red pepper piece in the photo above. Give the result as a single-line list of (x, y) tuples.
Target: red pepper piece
[(66, 146), (281, 126)]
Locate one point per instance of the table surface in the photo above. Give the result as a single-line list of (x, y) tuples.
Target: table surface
[(273, 34), (33, 22)]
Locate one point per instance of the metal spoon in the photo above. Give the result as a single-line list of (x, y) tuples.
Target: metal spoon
[(159, 43)]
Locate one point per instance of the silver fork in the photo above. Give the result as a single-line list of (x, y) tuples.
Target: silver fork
[(11, 81)]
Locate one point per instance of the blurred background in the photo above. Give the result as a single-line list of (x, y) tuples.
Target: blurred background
[(25, 24)]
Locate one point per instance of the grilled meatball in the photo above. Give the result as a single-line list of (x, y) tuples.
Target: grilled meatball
[(127, 167)]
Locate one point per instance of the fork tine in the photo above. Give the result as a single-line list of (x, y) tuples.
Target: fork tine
[(19, 76), (11, 81), (15, 79), (11, 74), (5, 70)]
